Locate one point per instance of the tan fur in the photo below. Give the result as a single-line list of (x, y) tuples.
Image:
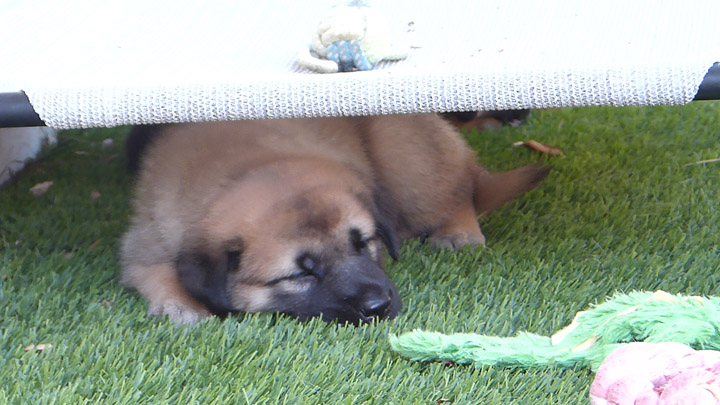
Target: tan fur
[(203, 185), (159, 285)]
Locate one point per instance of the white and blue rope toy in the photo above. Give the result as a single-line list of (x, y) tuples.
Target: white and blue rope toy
[(350, 38)]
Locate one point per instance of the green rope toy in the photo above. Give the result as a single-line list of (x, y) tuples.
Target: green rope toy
[(589, 339)]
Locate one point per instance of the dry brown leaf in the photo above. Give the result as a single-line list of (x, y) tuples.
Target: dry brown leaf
[(107, 303), (95, 194), (94, 244), (442, 401), (40, 188), (539, 147), (39, 347)]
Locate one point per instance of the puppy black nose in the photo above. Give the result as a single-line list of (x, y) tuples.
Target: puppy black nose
[(376, 307)]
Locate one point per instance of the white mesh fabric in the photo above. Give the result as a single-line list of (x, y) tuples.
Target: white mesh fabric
[(87, 64)]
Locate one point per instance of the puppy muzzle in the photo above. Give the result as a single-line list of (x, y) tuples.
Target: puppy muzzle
[(356, 291), (359, 291)]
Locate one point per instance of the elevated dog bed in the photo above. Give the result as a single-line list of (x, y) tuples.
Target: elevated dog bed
[(82, 63)]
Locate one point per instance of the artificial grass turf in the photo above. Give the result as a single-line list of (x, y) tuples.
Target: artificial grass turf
[(619, 211)]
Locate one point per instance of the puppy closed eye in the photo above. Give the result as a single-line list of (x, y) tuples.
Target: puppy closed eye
[(309, 269)]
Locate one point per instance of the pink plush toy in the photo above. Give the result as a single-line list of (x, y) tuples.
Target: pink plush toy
[(642, 373)]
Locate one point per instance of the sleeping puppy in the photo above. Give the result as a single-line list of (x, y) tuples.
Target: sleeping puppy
[(294, 216)]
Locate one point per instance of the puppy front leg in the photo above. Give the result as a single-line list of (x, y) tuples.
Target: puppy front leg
[(159, 284)]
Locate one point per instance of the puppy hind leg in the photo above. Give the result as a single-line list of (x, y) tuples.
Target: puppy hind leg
[(159, 284), (461, 229)]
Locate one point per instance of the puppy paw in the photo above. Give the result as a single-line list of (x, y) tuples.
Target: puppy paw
[(179, 313), (457, 240), (459, 230)]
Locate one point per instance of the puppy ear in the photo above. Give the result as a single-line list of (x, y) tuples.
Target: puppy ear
[(388, 236), (379, 204), (205, 280), (384, 220)]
